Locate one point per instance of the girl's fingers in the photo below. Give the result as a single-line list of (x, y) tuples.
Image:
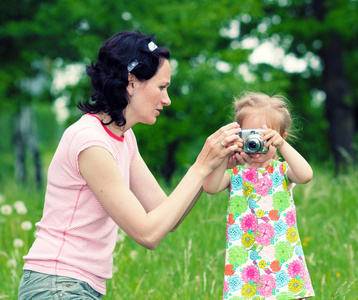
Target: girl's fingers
[(246, 157)]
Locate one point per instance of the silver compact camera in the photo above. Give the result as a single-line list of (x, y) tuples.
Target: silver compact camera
[(252, 140)]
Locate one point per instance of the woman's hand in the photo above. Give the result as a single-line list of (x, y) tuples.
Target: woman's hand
[(221, 144)]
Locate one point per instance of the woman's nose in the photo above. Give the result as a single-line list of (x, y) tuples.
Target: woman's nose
[(166, 100)]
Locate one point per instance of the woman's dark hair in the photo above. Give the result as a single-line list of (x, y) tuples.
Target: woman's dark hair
[(109, 74)]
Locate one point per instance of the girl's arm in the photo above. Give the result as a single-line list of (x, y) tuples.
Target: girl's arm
[(144, 211), (218, 180), (300, 171)]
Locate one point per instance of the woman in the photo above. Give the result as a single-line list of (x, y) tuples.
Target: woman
[(98, 181)]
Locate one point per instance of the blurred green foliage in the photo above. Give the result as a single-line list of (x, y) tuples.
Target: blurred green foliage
[(38, 38)]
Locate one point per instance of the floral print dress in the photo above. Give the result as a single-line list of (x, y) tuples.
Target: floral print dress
[(264, 255)]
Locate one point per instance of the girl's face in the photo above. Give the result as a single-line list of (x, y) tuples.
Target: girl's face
[(257, 121), (149, 97)]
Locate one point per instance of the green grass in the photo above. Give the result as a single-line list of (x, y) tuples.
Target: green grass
[(189, 263)]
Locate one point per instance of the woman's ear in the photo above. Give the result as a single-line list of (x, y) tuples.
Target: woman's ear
[(130, 86)]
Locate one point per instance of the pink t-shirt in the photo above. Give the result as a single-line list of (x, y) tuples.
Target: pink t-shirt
[(75, 236)]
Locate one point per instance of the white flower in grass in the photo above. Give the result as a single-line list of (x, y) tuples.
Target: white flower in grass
[(6, 209), (11, 263), (2, 199), (20, 207), (18, 243), (133, 255), (115, 269), (26, 225), (120, 238)]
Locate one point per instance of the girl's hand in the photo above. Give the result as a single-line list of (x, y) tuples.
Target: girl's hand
[(273, 138), (238, 159)]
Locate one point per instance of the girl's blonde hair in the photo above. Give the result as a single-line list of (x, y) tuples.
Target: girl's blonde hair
[(274, 109)]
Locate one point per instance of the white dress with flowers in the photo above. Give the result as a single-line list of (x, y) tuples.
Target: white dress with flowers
[(264, 255)]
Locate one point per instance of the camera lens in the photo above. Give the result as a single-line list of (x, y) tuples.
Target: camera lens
[(252, 146)]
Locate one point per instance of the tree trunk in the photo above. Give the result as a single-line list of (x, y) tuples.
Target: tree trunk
[(170, 166), (339, 105), (25, 139)]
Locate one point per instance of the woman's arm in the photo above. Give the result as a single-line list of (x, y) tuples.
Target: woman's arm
[(146, 214), (149, 193), (196, 198), (219, 180)]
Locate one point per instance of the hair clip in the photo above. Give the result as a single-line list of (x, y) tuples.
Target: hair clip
[(152, 46), (132, 65)]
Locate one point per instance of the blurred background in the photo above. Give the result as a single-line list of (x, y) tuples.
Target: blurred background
[(305, 50)]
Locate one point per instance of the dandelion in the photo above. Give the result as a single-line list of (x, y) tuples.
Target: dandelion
[(11, 263), (120, 238), (338, 274), (18, 243), (26, 225), (6, 209), (20, 207), (133, 255)]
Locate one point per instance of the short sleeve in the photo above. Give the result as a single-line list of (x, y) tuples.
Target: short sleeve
[(284, 168), (82, 140)]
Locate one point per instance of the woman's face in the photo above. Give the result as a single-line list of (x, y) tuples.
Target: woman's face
[(149, 97)]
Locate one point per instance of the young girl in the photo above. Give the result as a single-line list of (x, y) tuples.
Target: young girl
[(264, 255)]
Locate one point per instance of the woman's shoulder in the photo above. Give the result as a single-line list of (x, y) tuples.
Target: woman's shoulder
[(83, 131)]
